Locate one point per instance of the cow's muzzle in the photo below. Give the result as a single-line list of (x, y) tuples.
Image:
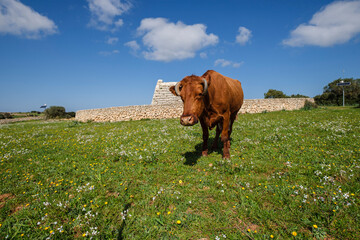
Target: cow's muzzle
[(188, 120)]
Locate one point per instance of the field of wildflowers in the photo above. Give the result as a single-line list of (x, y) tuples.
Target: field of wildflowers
[(292, 175)]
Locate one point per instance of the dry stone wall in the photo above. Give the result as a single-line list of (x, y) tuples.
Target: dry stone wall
[(165, 105), (275, 104), (115, 114)]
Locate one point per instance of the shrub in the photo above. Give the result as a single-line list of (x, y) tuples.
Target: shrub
[(309, 105), (74, 124), (55, 112), (5, 115), (70, 114)]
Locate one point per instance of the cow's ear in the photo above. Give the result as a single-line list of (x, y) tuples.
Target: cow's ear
[(172, 90)]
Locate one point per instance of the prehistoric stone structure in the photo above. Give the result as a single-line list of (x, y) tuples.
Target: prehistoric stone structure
[(165, 105), (162, 95)]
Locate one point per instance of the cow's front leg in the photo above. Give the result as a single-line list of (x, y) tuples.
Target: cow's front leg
[(205, 138), (225, 138)]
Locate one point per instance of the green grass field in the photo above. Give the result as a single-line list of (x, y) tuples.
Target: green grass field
[(292, 175)]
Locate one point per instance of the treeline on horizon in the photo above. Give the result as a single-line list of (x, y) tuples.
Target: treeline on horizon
[(332, 93)]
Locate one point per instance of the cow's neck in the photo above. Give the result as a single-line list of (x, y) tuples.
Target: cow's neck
[(210, 115)]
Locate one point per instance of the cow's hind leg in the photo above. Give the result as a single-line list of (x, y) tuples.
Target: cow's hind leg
[(225, 137), (205, 138), (232, 120)]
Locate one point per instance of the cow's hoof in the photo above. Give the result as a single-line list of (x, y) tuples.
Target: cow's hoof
[(204, 153), (226, 156)]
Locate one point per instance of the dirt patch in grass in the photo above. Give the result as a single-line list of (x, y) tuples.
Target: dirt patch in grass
[(112, 194), (18, 209), (245, 226), (4, 198)]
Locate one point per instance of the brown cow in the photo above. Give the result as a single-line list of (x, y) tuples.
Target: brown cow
[(214, 100)]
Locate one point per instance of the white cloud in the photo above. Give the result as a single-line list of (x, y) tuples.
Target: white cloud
[(244, 35), (133, 45), (105, 14), (336, 23), (226, 63), (108, 53), (119, 23), (112, 40), (19, 19), (203, 55), (167, 41)]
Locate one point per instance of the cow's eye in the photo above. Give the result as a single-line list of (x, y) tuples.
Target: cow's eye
[(180, 87)]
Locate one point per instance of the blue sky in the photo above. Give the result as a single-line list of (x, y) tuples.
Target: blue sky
[(88, 54)]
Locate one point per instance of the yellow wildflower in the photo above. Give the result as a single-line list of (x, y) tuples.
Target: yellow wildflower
[(294, 234)]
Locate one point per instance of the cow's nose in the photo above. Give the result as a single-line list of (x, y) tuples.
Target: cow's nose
[(187, 120)]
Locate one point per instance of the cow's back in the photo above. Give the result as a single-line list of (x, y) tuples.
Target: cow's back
[(224, 92)]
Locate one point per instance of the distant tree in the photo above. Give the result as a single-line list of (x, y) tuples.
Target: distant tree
[(333, 94), (298, 96), (58, 112), (55, 112), (272, 93)]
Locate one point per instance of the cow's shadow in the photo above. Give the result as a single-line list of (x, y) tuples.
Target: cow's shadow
[(191, 158)]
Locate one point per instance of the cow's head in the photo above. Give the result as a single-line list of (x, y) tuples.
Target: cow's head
[(192, 90)]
